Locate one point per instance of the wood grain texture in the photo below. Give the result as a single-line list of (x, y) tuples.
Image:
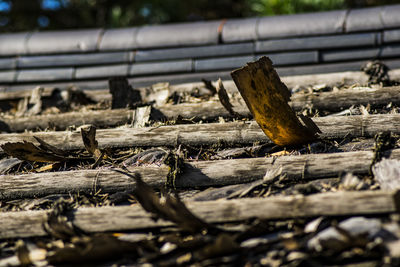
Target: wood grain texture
[(200, 174), (331, 79), (101, 118), (124, 218), (208, 133), (342, 99), (329, 101), (267, 98)]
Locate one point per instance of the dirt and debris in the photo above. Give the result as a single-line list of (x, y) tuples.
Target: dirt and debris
[(377, 72), (177, 235)]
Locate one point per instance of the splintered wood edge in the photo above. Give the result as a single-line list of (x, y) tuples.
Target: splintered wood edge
[(269, 105)]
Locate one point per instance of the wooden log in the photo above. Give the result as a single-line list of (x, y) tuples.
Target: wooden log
[(195, 174), (208, 133), (127, 218), (109, 118), (102, 118), (342, 99), (330, 79), (41, 184), (330, 101)]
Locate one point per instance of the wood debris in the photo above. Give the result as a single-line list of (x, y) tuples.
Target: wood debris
[(267, 98), (180, 178)]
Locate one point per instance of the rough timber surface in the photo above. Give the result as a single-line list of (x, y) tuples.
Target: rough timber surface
[(209, 110), (345, 98), (269, 214), (330, 79), (208, 133), (200, 174), (91, 220)]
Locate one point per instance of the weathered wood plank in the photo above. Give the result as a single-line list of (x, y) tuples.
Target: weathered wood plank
[(330, 101), (41, 184), (109, 118), (342, 99), (195, 174), (104, 118), (208, 133), (91, 220), (330, 79)]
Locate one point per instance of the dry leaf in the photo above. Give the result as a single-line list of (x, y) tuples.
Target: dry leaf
[(267, 98), (28, 151)]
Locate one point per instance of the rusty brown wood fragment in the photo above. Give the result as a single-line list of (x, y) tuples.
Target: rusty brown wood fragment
[(267, 98)]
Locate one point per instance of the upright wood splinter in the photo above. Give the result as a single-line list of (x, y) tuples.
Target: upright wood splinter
[(267, 98)]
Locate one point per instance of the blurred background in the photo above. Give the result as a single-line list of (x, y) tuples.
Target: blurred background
[(24, 15)]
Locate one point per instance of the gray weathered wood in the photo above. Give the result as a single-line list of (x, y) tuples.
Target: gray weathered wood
[(331, 79), (91, 220), (343, 99), (331, 101), (99, 118), (110, 118), (208, 133), (195, 174), (41, 184)]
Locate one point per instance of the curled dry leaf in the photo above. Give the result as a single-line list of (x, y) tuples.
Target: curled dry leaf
[(28, 151), (267, 98)]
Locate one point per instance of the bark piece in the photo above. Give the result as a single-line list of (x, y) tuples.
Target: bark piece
[(267, 98), (32, 105), (123, 95), (89, 140), (141, 116), (224, 98)]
